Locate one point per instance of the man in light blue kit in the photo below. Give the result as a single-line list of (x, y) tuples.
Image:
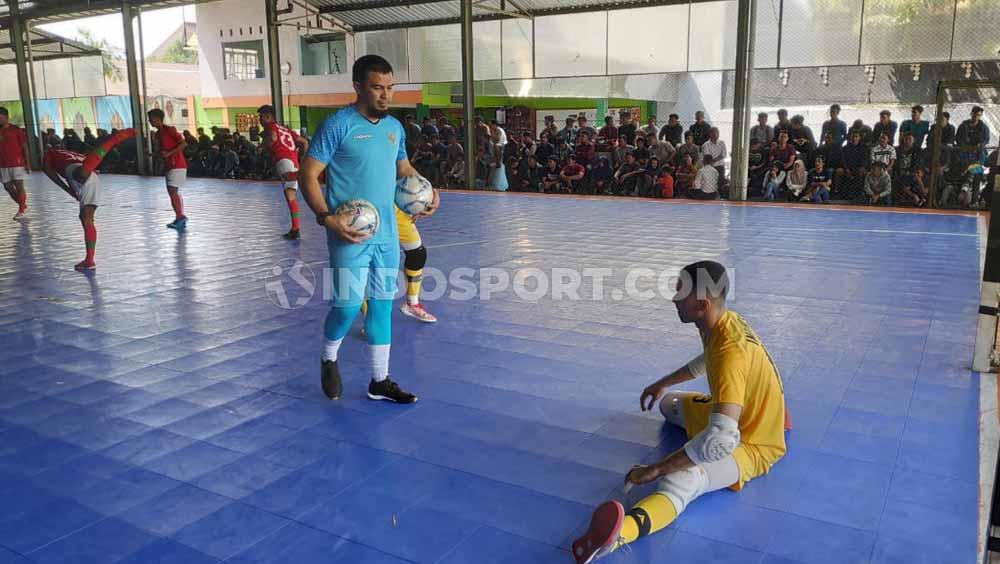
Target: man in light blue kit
[(363, 150)]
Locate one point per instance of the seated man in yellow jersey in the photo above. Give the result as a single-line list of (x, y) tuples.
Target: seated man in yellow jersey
[(415, 257), (736, 433)]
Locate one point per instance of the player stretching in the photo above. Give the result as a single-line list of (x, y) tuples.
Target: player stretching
[(65, 169), (14, 161), (363, 150), (283, 143), (415, 257), (735, 434), (172, 146)]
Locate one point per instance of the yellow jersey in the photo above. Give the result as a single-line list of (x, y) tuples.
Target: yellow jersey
[(741, 372)]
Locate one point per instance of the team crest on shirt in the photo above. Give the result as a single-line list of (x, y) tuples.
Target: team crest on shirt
[(392, 138)]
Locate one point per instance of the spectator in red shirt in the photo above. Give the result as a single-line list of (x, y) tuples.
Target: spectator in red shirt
[(572, 175), (665, 183), (175, 166), (684, 175), (284, 145), (14, 163), (585, 150), (783, 153), (607, 136)]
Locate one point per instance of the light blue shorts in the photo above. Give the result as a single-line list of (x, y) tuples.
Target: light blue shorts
[(357, 268)]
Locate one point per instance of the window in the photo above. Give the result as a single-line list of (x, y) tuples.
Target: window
[(323, 54), (242, 60)]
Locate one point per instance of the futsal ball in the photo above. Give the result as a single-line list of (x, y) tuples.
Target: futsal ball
[(364, 216), (414, 194)]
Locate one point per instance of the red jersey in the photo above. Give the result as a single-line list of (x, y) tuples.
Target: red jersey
[(169, 139), (12, 141), (283, 143), (59, 159)]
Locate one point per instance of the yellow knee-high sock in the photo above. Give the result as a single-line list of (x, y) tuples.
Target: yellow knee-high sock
[(648, 516), (414, 280), (364, 309)]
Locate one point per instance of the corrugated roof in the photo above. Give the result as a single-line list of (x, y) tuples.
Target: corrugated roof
[(367, 15), (47, 11), (45, 46)]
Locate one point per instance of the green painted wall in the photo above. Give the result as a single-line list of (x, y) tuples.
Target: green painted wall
[(439, 96)]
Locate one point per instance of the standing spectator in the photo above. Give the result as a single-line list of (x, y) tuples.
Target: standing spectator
[(603, 176), (627, 127), (429, 129), (947, 130), (863, 131), (717, 150), (819, 183), (551, 127), (831, 152), (498, 135), (884, 153), (775, 178), (412, 131), (706, 182), (878, 185), (562, 150), (91, 141), (550, 176), (585, 150), (650, 128), (684, 175), (568, 133), (783, 153), (545, 148), (622, 149), (641, 151), (783, 123), (801, 137), (700, 128), (918, 127), (673, 131), (204, 141), (498, 171), (688, 149), (445, 129), (835, 126), (973, 132), (483, 133), (796, 180), (885, 126), (762, 131), (662, 150), (585, 127), (571, 177), (855, 164), (908, 160), (607, 136), (628, 175)]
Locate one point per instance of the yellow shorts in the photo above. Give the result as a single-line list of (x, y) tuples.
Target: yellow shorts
[(409, 237)]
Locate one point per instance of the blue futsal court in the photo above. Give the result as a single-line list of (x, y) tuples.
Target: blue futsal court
[(166, 411)]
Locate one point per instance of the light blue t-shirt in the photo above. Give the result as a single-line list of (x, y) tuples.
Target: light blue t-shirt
[(361, 161)]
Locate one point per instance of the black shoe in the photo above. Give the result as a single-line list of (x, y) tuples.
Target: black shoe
[(292, 235), (389, 390), (330, 379)]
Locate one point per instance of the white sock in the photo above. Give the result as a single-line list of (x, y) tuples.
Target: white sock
[(380, 361), (412, 300), (330, 348)]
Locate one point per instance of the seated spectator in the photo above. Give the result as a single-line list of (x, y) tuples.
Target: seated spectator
[(650, 128), (585, 150), (908, 160), (628, 176), (647, 188), (562, 150), (756, 167), (583, 126), (836, 127), (641, 151), (571, 176), (947, 130), (673, 131), (663, 150), (568, 133), (885, 126), (717, 150), (622, 148), (204, 141), (602, 176), (878, 185), (775, 179), (689, 148), (91, 141), (864, 131), (706, 182), (884, 153), (484, 166), (428, 129), (783, 153), (916, 190), (550, 176), (531, 177), (454, 171), (855, 164), (800, 136), (700, 128), (665, 183), (916, 126), (684, 176), (545, 148), (762, 132), (550, 127), (820, 181), (527, 147), (228, 162), (796, 181), (72, 142), (607, 136), (445, 129), (831, 152), (627, 128)]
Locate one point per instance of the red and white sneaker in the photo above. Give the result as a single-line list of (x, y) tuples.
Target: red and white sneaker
[(604, 535), (86, 265), (418, 312)]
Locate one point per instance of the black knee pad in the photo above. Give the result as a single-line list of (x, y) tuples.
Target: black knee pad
[(415, 259)]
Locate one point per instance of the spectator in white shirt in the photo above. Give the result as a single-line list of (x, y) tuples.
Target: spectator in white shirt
[(706, 182), (717, 150), (650, 128), (884, 152)]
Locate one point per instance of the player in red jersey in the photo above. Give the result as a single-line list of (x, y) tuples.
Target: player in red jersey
[(284, 144), (172, 146), (65, 169), (14, 161)]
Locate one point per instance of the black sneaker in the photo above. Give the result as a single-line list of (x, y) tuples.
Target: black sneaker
[(330, 379), (389, 390), (292, 235)]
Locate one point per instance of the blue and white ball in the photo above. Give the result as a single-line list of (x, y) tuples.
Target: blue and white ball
[(414, 194), (364, 216)]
